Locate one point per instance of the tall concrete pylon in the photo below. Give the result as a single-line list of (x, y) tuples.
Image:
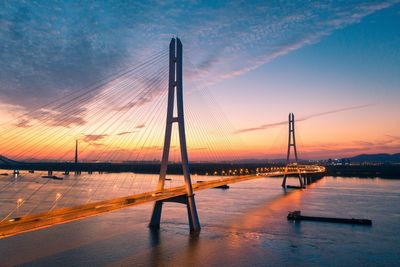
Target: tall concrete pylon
[(76, 151), (175, 88), (77, 171), (292, 143)]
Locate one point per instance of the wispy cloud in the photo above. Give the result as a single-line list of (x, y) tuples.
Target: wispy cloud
[(333, 111), (393, 137), (125, 133), (43, 57), (75, 116), (23, 123), (256, 37), (275, 124), (94, 137)]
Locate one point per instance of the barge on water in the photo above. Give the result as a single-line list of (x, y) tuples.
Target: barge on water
[(296, 216)]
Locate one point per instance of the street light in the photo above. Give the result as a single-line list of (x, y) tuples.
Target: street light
[(20, 201), (58, 196)]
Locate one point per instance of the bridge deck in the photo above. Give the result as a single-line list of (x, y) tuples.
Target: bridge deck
[(14, 226)]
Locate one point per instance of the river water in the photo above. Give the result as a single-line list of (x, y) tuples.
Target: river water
[(243, 226)]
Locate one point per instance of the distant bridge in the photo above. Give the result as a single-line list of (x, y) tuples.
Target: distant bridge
[(67, 167), (201, 168)]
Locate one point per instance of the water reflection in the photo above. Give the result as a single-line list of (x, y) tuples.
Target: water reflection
[(156, 256), (243, 226), (39, 192)]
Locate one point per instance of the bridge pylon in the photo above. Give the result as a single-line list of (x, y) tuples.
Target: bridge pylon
[(77, 171), (292, 143), (76, 151), (175, 89)]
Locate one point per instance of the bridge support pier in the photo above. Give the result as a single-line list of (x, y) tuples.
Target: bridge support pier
[(184, 199), (175, 89), (301, 181), (156, 215)]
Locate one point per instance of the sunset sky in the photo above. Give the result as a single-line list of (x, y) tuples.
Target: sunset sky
[(247, 64)]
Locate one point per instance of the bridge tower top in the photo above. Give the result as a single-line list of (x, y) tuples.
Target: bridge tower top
[(292, 140)]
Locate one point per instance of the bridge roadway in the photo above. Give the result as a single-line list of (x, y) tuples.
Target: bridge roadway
[(14, 226)]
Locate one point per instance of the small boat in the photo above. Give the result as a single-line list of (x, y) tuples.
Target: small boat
[(224, 186)]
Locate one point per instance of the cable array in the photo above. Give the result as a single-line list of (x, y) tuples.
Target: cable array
[(99, 112), (120, 118)]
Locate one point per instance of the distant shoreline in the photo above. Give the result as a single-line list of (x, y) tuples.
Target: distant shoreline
[(387, 171)]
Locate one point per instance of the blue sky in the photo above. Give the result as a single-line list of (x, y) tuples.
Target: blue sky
[(357, 65), (64, 44)]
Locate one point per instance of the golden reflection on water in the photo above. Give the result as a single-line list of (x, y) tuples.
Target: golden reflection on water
[(242, 232), (257, 233)]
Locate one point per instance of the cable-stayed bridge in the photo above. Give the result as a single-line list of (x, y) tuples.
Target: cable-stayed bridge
[(122, 118)]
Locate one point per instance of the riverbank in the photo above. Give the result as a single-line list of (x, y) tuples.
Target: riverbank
[(387, 171)]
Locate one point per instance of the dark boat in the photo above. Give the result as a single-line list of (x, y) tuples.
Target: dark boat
[(224, 186), (296, 216), (294, 187)]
